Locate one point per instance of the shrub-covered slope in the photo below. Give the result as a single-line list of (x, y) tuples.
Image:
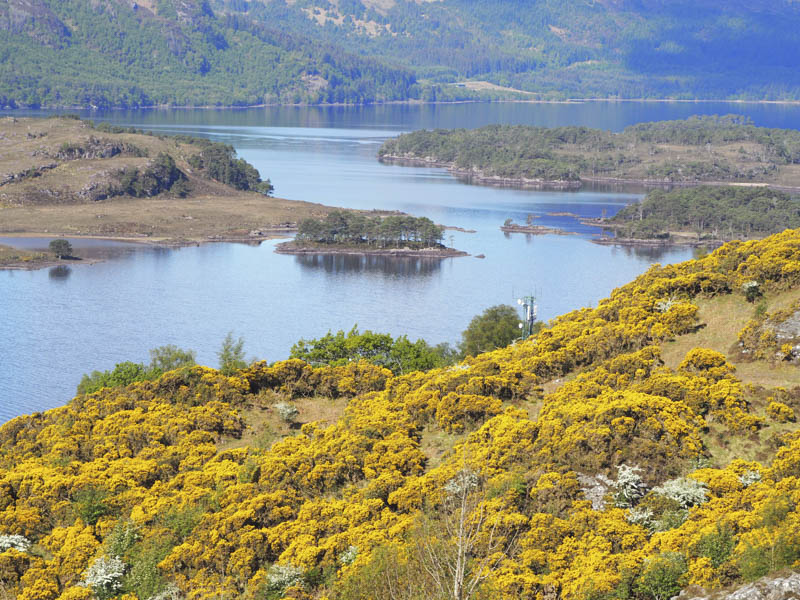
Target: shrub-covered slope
[(575, 465)]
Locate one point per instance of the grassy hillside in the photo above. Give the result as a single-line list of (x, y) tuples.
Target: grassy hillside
[(69, 177), (626, 451)]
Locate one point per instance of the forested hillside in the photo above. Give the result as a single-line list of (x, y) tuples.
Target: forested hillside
[(179, 52), (245, 52), (626, 451), (656, 48)]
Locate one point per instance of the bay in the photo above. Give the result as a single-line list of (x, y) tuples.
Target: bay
[(57, 324)]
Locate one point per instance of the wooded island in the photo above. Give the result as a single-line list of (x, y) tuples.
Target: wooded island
[(349, 231)]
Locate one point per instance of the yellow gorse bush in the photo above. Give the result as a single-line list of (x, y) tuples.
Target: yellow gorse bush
[(139, 472)]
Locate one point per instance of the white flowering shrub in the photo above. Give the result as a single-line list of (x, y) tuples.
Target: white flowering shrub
[(281, 577), (171, 592), (121, 539), (348, 556), (686, 492), (287, 412), (464, 481), (663, 306), (629, 488), (640, 516), (748, 478), (17, 542), (104, 576), (751, 290)]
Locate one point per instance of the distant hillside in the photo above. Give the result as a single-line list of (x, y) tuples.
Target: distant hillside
[(626, 48), (245, 52), (179, 52)]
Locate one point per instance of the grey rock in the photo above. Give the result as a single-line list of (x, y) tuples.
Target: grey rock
[(781, 586)]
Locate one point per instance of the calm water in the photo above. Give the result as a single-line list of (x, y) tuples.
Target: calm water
[(60, 323)]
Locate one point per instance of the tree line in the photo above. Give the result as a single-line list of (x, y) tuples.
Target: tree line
[(709, 211), (574, 152), (350, 228)]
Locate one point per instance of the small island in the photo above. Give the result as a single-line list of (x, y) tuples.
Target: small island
[(701, 216), (530, 228), (349, 232), (699, 150)]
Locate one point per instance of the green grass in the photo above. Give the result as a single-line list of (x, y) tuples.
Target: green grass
[(722, 318)]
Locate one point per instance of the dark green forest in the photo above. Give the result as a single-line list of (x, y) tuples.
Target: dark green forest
[(122, 54), (718, 213), (236, 52)]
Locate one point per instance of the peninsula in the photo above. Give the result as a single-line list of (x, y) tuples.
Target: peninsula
[(727, 150), (65, 177)]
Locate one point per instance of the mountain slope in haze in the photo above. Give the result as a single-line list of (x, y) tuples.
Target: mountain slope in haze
[(625, 48), (246, 52), (179, 52)]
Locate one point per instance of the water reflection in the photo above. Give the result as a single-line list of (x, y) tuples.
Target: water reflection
[(390, 266), (649, 253), (59, 273), (604, 115)]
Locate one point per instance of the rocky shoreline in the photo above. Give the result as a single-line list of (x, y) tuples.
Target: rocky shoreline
[(478, 177), (535, 230)]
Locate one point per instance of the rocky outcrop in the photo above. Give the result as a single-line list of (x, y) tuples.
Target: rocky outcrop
[(6, 178), (781, 586), (97, 148)]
